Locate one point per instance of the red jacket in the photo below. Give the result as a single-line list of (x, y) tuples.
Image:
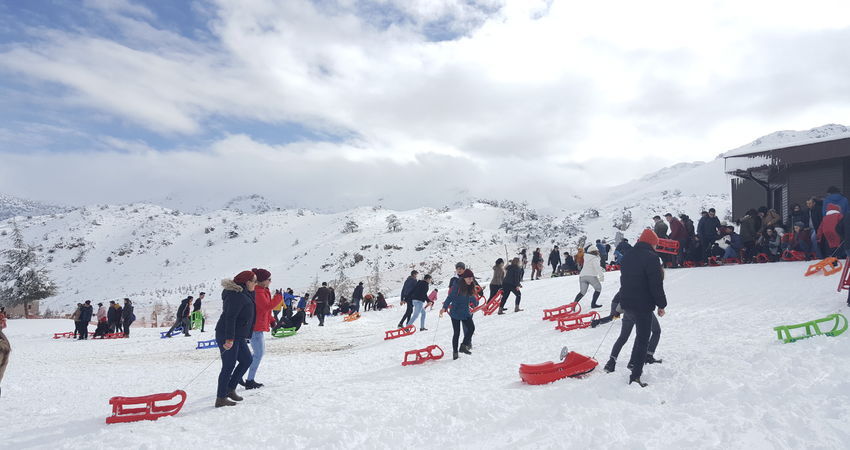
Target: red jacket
[(263, 300), (829, 224), (677, 230)]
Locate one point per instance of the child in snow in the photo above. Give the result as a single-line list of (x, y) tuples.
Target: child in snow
[(432, 298)]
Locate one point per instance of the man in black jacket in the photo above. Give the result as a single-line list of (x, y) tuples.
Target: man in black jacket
[(641, 291), (85, 318), (127, 316), (555, 259), (356, 296), (406, 289), (322, 297), (707, 231), (512, 283), (418, 296), (182, 318)]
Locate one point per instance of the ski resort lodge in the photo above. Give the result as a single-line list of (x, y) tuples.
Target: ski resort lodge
[(778, 177)]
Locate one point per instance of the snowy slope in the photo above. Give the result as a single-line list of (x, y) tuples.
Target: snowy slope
[(15, 206), (726, 382), (789, 138), (154, 254)]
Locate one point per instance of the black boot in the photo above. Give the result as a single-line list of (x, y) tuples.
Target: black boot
[(454, 355), (594, 323), (501, 311), (517, 309), (637, 380), (578, 297), (651, 359), (465, 349), (251, 384), (234, 396), (610, 365), (595, 297), (219, 402)]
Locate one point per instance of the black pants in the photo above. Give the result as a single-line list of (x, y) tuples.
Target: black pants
[(77, 326), (493, 289), (127, 328), (83, 330), (292, 321), (468, 330), (276, 313), (506, 292), (231, 373), (554, 268), (643, 328), (184, 322), (407, 313), (320, 313), (626, 331)]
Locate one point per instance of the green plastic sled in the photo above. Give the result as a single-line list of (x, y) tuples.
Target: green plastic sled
[(196, 320), (839, 326), (284, 332)]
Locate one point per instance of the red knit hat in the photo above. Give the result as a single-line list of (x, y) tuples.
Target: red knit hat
[(467, 274), (244, 277), (262, 274), (649, 237)]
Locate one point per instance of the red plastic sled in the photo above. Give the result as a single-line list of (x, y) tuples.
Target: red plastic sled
[(431, 352), (110, 336), (844, 282), (494, 303), (612, 268), (794, 255), (401, 332), (732, 261), (133, 409), (689, 264), (762, 258), (577, 321), (311, 308), (575, 364), (68, 335), (562, 311), (667, 246)]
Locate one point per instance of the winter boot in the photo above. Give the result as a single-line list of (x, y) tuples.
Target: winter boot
[(501, 311), (637, 380), (454, 355), (595, 323), (234, 396), (223, 401), (651, 359), (595, 297), (465, 349), (517, 309), (251, 384), (610, 365), (578, 297)]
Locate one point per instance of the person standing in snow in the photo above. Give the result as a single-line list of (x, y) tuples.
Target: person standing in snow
[(678, 234), (536, 264), (498, 277), (829, 230), (302, 304), (356, 297), (625, 332), (406, 289), (591, 275), (579, 258), (641, 291), (419, 297), (622, 248), (112, 317), (749, 229), (707, 231), (76, 318), (234, 328), (322, 297), (196, 310), (263, 319), (102, 324), (602, 247), (127, 317), (555, 259), (182, 317), (85, 318), (512, 284), (524, 256), (460, 299), (834, 197), (813, 219), (5, 346)]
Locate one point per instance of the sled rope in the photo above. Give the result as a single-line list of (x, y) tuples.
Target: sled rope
[(603, 340), (841, 245), (200, 373), (436, 329)]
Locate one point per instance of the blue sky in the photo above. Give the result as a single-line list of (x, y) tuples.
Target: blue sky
[(374, 97)]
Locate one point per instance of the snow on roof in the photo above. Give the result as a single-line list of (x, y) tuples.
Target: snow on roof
[(790, 138)]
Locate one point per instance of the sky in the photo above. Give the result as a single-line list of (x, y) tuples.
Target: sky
[(332, 104)]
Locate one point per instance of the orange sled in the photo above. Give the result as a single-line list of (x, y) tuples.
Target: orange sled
[(575, 364), (401, 332), (133, 409), (351, 317), (564, 310), (577, 321), (431, 352), (829, 266), (68, 335)]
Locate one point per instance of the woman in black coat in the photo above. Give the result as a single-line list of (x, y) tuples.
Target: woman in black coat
[(232, 332)]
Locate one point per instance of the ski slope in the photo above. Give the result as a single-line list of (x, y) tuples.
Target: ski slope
[(726, 381)]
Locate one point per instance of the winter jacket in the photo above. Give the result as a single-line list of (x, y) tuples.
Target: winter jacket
[(829, 226), (432, 297), (623, 247), (815, 215), (660, 229), (800, 216), (419, 291), (459, 305), (197, 305), (322, 295), (642, 280), (127, 314), (771, 219), (677, 230), (569, 262), (101, 314), (536, 258), (409, 283), (183, 310), (513, 276), (835, 199), (498, 275), (112, 314), (748, 229), (288, 298), (554, 258), (237, 314), (580, 257), (707, 228), (277, 301), (801, 242), (603, 250), (689, 228), (771, 244), (263, 307), (302, 302), (85, 314), (592, 267), (735, 240), (76, 316), (358, 293)]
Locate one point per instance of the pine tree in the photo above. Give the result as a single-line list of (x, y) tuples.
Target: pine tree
[(393, 224), (22, 279), (341, 284), (373, 282)]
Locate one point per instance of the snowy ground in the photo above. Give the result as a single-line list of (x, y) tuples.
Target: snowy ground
[(726, 381)]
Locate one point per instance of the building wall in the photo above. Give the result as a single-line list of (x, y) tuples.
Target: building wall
[(746, 194), (812, 179)]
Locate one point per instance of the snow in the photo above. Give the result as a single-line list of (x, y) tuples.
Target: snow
[(726, 381), (791, 138)]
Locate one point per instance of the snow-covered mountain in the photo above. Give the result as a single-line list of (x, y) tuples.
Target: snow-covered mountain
[(15, 206), (155, 254)]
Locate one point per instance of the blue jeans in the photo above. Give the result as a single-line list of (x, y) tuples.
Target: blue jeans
[(418, 308), (816, 245), (258, 344), (355, 306), (730, 252), (230, 373)]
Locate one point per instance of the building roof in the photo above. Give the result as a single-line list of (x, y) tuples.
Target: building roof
[(790, 138)]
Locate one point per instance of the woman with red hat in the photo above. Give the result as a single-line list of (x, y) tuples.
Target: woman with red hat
[(459, 299), (232, 332), (262, 322)]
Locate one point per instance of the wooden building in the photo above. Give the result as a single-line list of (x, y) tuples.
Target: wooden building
[(780, 177)]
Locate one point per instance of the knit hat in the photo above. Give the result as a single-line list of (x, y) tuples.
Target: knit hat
[(467, 274), (262, 274), (649, 237), (244, 277), (799, 224)]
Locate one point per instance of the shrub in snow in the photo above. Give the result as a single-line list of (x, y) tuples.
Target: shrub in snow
[(350, 227), (393, 224), (22, 279)]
